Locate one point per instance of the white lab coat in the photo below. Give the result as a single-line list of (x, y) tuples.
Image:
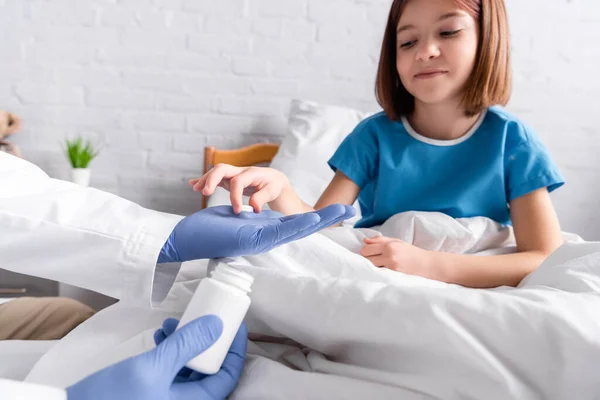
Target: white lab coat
[(80, 236)]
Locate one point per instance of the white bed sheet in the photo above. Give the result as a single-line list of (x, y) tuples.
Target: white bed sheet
[(326, 324), (17, 357)]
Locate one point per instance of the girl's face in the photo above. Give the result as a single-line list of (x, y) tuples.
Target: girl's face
[(436, 49)]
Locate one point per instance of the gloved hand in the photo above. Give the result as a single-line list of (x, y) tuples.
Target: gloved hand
[(154, 375), (219, 232), (186, 374)]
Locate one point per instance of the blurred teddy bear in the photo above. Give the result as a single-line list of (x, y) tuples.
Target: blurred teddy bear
[(9, 125)]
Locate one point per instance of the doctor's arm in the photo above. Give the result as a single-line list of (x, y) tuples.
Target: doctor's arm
[(98, 241), (81, 236)]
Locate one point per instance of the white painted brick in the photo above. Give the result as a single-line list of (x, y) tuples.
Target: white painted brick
[(266, 27), (360, 41), (53, 137), (52, 36), (152, 81), (189, 143), (78, 14), (280, 48), (153, 21), (279, 8), (153, 181), (250, 66), (30, 72), (224, 25), (214, 124), (117, 160), (338, 12), (122, 99), (47, 94), (232, 8), (198, 62), (218, 44), (121, 138), (84, 118), (135, 4), (299, 30), (216, 85), (117, 16), (90, 77), (104, 181), (154, 41), (50, 161), (184, 104), (162, 121), (171, 162), (250, 106), (169, 4), (6, 92), (275, 87), (223, 72), (183, 22), (63, 54), (11, 45), (152, 140), (130, 57), (297, 68)]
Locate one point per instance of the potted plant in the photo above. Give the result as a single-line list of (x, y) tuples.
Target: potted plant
[(80, 155)]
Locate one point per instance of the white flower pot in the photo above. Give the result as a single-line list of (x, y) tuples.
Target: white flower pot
[(81, 176)]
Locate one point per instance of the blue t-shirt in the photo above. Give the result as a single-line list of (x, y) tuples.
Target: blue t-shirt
[(479, 174)]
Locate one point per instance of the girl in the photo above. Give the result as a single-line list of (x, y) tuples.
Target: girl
[(441, 144)]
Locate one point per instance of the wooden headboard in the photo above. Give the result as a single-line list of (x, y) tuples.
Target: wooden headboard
[(261, 153)]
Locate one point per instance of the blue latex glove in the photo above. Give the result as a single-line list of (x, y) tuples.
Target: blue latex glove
[(219, 232), (169, 326), (154, 375)]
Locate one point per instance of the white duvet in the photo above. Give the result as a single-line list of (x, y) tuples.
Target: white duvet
[(326, 324)]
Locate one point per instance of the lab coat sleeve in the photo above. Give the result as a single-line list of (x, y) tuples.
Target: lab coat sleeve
[(80, 236), (13, 390)]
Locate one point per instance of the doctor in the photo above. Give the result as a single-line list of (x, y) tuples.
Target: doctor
[(98, 241)]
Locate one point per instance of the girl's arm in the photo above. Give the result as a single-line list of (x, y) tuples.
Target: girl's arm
[(538, 234), (268, 185), (341, 190)]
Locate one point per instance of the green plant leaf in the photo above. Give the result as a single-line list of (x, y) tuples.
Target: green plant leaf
[(80, 154)]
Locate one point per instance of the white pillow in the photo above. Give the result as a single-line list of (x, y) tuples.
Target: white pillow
[(314, 133)]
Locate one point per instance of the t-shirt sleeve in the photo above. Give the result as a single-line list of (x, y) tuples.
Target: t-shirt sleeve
[(357, 156), (527, 163)]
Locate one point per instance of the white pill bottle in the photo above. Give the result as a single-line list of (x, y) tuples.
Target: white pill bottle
[(224, 294)]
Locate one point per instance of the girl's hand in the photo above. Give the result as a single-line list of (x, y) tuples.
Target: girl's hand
[(402, 257), (263, 185)]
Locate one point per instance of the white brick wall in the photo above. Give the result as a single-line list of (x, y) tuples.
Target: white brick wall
[(155, 81)]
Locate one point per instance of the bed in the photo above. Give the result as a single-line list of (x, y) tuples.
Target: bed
[(324, 324)]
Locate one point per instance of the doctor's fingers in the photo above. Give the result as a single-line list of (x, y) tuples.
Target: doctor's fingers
[(328, 216), (186, 343), (332, 215), (168, 327), (209, 182), (284, 230), (221, 384)]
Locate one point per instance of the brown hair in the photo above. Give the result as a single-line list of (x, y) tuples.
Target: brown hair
[(490, 81)]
